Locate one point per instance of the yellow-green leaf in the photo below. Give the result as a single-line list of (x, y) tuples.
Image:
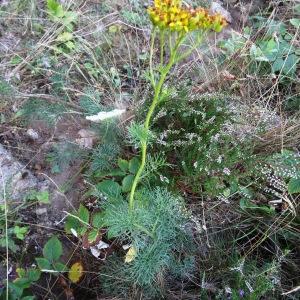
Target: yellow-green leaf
[(130, 255), (76, 272)]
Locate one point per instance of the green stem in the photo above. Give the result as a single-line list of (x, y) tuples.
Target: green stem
[(157, 90), (162, 47), (152, 79)]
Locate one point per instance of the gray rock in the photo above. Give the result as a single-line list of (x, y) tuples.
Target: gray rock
[(15, 179), (217, 7), (32, 134)]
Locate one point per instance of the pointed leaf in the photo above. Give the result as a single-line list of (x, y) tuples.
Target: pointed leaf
[(294, 186), (134, 165), (123, 164), (43, 263), (53, 249), (127, 183), (98, 220), (83, 214)]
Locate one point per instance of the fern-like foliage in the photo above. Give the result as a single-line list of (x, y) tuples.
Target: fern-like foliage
[(62, 155), (41, 110), (104, 156), (156, 228), (90, 102)]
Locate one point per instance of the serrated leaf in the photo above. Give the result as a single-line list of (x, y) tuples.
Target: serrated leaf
[(20, 232), (123, 164), (97, 220), (60, 267), (127, 183), (52, 5), (53, 249), (55, 9), (72, 223), (43, 263), (33, 274), (134, 165), (294, 186), (92, 235), (83, 214), (110, 188), (76, 272)]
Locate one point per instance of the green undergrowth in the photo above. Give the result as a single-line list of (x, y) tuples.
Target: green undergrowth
[(215, 212)]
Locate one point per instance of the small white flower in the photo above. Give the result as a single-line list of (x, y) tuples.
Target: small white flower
[(195, 164), (226, 171), (103, 115)]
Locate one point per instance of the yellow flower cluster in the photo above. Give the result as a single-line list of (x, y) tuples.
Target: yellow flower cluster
[(169, 14)]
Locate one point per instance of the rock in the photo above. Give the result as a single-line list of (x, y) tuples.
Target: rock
[(87, 138), (216, 7), (41, 211), (15, 180), (32, 134)]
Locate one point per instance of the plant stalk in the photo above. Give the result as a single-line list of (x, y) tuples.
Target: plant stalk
[(157, 91)]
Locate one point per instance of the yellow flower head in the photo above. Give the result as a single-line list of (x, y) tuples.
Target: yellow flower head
[(169, 14)]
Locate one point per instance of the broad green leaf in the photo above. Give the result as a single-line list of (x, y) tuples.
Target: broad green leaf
[(60, 267), (16, 60), (20, 232), (83, 214), (134, 165), (277, 65), (64, 37), (52, 5), (257, 54), (33, 274), (72, 222), (55, 9), (92, 235), (43, 197), (123, 164), (295, 22), (294, 186), (109, 188), (269, 49), (97, 220), (17, 290), (290, 64), (127, 183), (43, 263), (53, 249)]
